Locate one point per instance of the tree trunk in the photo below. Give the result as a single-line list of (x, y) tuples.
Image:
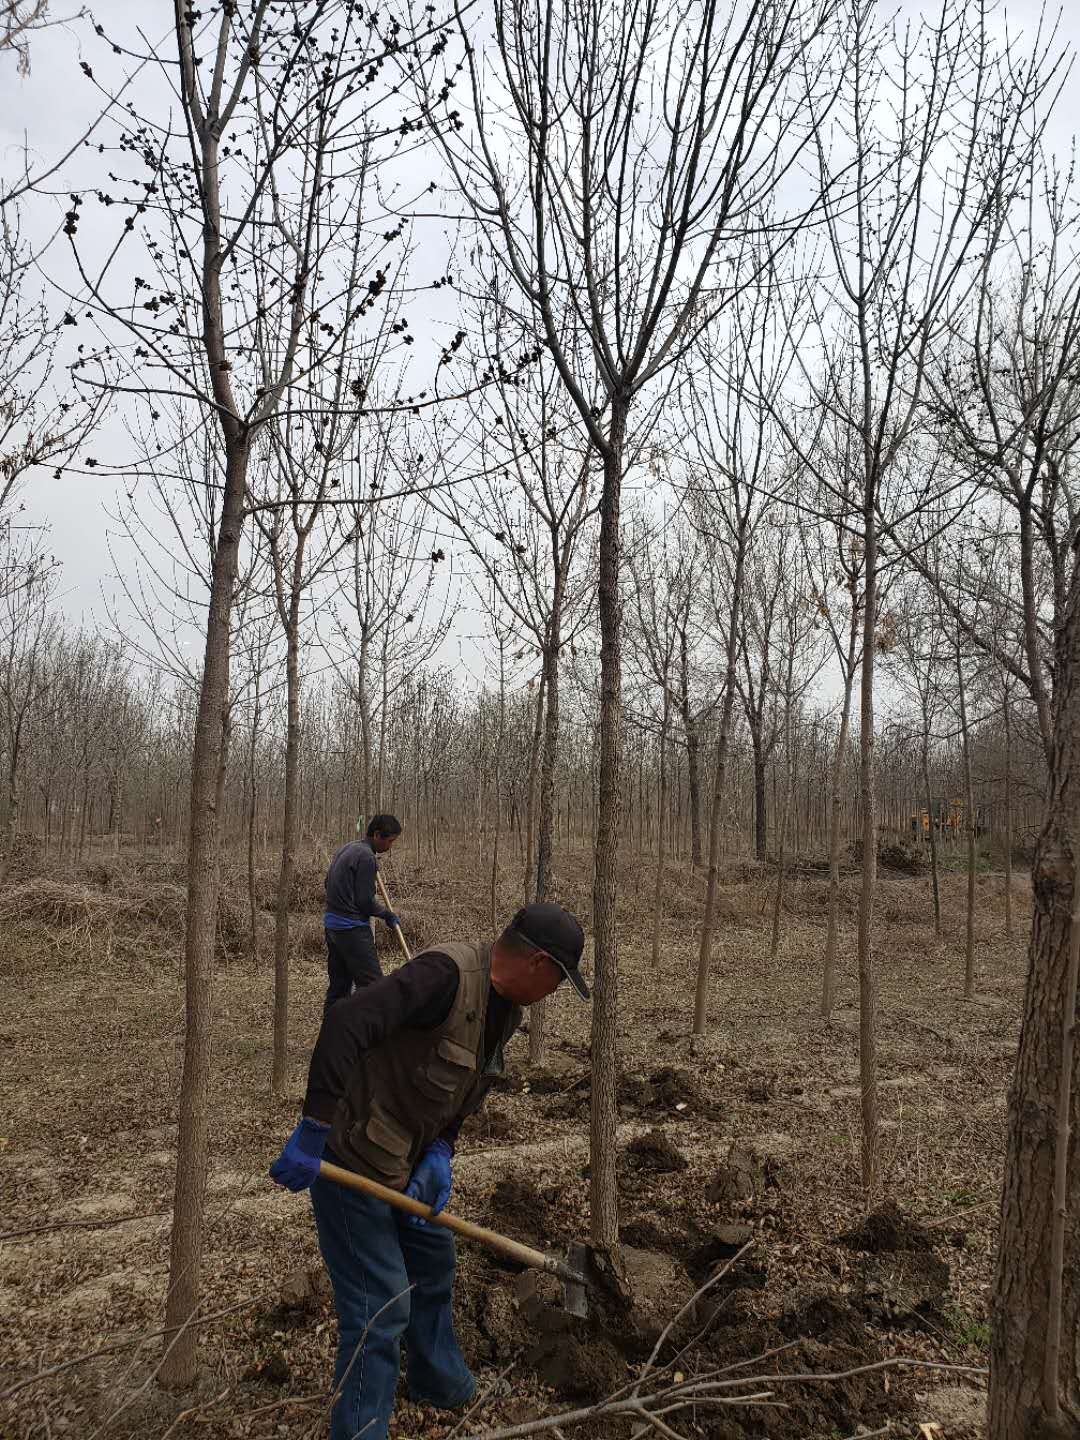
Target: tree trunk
[(701, 993), (658, 886), (935, 877), (868, 802), (549, 755), (364, 700), (761, 821), (499, 743), (185, 1255), (828, 978), (1034, 1380), (603, 1194), (13, 794), (1036, 1261), (253, 798), (693, 755), (530, 804), (280, 1066), (969, 806), (1007, 718), (781, 858)]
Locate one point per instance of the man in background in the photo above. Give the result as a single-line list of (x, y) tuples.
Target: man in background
[(351, 903)]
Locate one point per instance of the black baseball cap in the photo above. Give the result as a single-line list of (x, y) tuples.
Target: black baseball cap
[(555, 931)]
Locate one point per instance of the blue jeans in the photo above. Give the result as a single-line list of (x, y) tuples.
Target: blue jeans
[(373, 1255)]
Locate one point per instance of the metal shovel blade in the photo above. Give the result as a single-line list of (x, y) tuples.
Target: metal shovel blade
[(575, 1295)]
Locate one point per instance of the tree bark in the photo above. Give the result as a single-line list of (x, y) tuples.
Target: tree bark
[(530, 803), (364, 702), (1034, 1380), (781, 857), (693, 752), (935, 876), (1007, 720), (761, 821), (828, 977), (185, 1255), (658, 886), (500, 741), (546, 841), (280, 1065), (253, 803), (969, 806), (701, 993), (549, 756), (868, 801), (603, 1194)]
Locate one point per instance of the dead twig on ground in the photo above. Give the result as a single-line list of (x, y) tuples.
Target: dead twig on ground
[(50, 1225), (116, 1345), (711, 1391), (959, 1214), (195, 1410), (282, 1404), (478, 1404)]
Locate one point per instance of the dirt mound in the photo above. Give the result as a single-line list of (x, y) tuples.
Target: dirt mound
[(901, 1287), (518, 1209), (887, 1228), (899, 1279), (575, 1357), (655, 1153), (664, 1089), (823, 1316), (743, 1178)]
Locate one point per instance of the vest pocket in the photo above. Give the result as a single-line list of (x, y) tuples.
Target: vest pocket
[(382, 1141), (450, 1068)]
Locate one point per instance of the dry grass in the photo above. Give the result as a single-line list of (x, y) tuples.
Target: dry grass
[(91, 1034)]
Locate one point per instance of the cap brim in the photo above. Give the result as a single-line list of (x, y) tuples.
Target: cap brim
[(574, 976)]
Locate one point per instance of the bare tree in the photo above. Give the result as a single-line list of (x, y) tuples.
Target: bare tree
[(261, 168), (639, 143), (929, 142), (1007, 404)]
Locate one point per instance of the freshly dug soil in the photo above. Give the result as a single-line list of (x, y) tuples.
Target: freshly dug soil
[(887, 1229), (656, 1153)]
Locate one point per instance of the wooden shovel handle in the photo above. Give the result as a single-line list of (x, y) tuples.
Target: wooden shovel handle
[(385, 898), (512, 1249)]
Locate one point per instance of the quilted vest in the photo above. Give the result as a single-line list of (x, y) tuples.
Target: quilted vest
[(404, 1092)]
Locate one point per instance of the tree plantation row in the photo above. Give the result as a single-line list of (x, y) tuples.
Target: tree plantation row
[(96, 752), (703, 379)]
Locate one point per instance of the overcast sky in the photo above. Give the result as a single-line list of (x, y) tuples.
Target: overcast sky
[(47, 110)]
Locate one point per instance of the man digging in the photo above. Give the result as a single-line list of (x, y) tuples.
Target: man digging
[(396, 1069), (351, 904)]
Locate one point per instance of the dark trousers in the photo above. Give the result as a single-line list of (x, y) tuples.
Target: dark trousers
[(392, 1281), (351, 962)]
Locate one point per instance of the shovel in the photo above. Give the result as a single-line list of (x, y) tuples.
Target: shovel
[(385, 898), (568, 1271)]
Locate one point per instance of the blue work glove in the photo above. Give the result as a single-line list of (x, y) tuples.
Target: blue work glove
[(431, 1179), (392, 920), (298, 1164)]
